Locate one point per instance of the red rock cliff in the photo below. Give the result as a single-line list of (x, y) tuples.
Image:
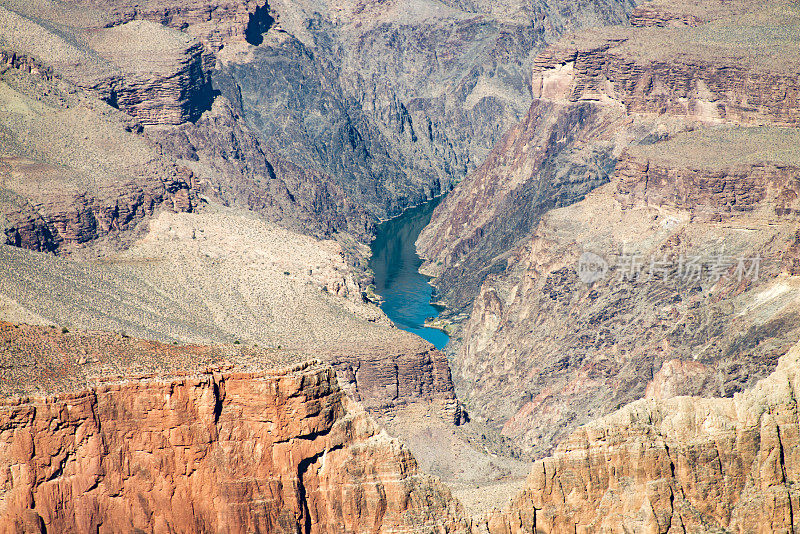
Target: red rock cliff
[(196, 446)]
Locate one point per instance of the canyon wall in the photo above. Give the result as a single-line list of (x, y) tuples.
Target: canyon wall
[(331, 116), (214, 22), (113, 434), (673, 466), (388, 106), (223, 276), (161, 77), (64, 179), (668, 158), (553, 158)]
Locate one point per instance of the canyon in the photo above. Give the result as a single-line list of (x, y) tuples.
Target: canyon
[(189, 335), (676, 465), (639, 157)]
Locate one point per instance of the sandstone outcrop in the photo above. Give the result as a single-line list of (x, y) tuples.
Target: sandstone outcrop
[(571, 349), (550, 159), (114, 434), (686, 464), (224, 276), (215, 22), (712, 72)]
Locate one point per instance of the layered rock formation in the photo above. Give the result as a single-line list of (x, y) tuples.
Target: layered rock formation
[(101, 432), (161, 79), (551, 159), (388, 104), (548, 345), (717, 74), (155, 74), (384, 109), (215, 22), (373, 113), (223, 276), (686, 464), (65, 180), (691, 270)]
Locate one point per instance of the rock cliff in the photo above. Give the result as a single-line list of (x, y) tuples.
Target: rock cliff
[(160, 80), (153, 73), (686, 464), (623, 171), (214, 22), (65, 180), (719, 74), (387, 98), (710, 73), (676, 281), (221, 276), (106, 433)]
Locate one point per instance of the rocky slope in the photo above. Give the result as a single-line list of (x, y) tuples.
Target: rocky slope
[(387, 97), (64, 179), (106, 433), (547, 346), (221, 276), (551, 159), (52, 48), (378, 109), (685, 464), (678, 282), (719, 74)]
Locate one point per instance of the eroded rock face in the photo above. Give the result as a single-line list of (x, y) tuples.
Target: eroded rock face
[(177, 439), (390, 106), (544, 350), (715, 76), (577, 350), (74, 170), (161, 78), (553, 158), (679, 465), (236, 168), (214, 22)]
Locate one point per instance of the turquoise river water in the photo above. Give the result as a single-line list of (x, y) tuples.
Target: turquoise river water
[(406, 293)]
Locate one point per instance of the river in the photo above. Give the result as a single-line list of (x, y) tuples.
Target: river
[(406, 293)]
